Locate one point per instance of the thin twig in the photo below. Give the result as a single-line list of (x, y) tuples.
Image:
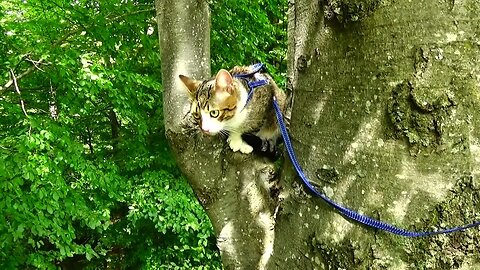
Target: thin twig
[(36, 63), (5, 148), (14, 79)]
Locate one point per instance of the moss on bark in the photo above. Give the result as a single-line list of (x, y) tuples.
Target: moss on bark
[(346, 11), (384, 121)]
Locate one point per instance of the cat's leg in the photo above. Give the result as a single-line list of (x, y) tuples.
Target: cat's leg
[(237, 144), (269, 138), (269, 133)]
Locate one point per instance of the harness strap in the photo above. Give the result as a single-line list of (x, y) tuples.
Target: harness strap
[(251, 80), (351, 214), (252, 85)]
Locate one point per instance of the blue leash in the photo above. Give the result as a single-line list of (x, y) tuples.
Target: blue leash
[(349, 213)]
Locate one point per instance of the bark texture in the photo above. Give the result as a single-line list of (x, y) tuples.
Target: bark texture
[(385, 121), (238, 191)]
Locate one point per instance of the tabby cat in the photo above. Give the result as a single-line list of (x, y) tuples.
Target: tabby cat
[(219, 105)]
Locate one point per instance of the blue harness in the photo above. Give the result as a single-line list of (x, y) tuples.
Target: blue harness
[(349, 213), (252, 82)]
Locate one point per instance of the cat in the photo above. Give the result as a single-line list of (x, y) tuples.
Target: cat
[(219, 106)]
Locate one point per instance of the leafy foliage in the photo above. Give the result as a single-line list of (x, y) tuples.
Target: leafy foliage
[(246, 32), (86, 176)]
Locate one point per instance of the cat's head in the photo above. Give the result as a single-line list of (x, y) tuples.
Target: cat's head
[(213, 101)]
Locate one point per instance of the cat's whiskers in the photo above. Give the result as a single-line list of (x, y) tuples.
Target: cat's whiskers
[(223, 133)]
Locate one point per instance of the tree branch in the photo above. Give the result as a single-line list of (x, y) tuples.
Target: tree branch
[(36, 64), (14, 79), (22, 104)]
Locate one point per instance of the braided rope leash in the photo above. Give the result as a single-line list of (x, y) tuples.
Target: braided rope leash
[(253, 83), (349, 213)]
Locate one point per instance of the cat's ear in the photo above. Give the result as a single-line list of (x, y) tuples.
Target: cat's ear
[(191, 84), (224, 81)]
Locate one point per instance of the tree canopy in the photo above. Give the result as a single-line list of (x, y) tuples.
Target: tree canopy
[(86, 175)]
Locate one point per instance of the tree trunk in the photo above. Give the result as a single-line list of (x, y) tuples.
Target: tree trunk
[(383, 121), (235, 189)]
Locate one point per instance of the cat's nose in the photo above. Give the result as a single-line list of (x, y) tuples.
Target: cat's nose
[(206, 131), (208, 128), (205, 127)]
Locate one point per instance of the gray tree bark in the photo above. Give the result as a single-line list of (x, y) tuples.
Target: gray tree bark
[(235, 189), (384, 121)]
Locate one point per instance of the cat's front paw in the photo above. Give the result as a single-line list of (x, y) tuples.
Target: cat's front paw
[(240, 145)]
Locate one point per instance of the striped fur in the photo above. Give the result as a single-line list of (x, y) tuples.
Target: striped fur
[(218, 106)]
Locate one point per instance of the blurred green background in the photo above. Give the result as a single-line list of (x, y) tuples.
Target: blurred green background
[(87, 180)]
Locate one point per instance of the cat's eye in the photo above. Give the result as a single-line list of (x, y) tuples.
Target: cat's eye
[(196, 116), (214, 113)]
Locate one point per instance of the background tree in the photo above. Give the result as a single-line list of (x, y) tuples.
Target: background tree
[(383, 121), (240, 210)]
